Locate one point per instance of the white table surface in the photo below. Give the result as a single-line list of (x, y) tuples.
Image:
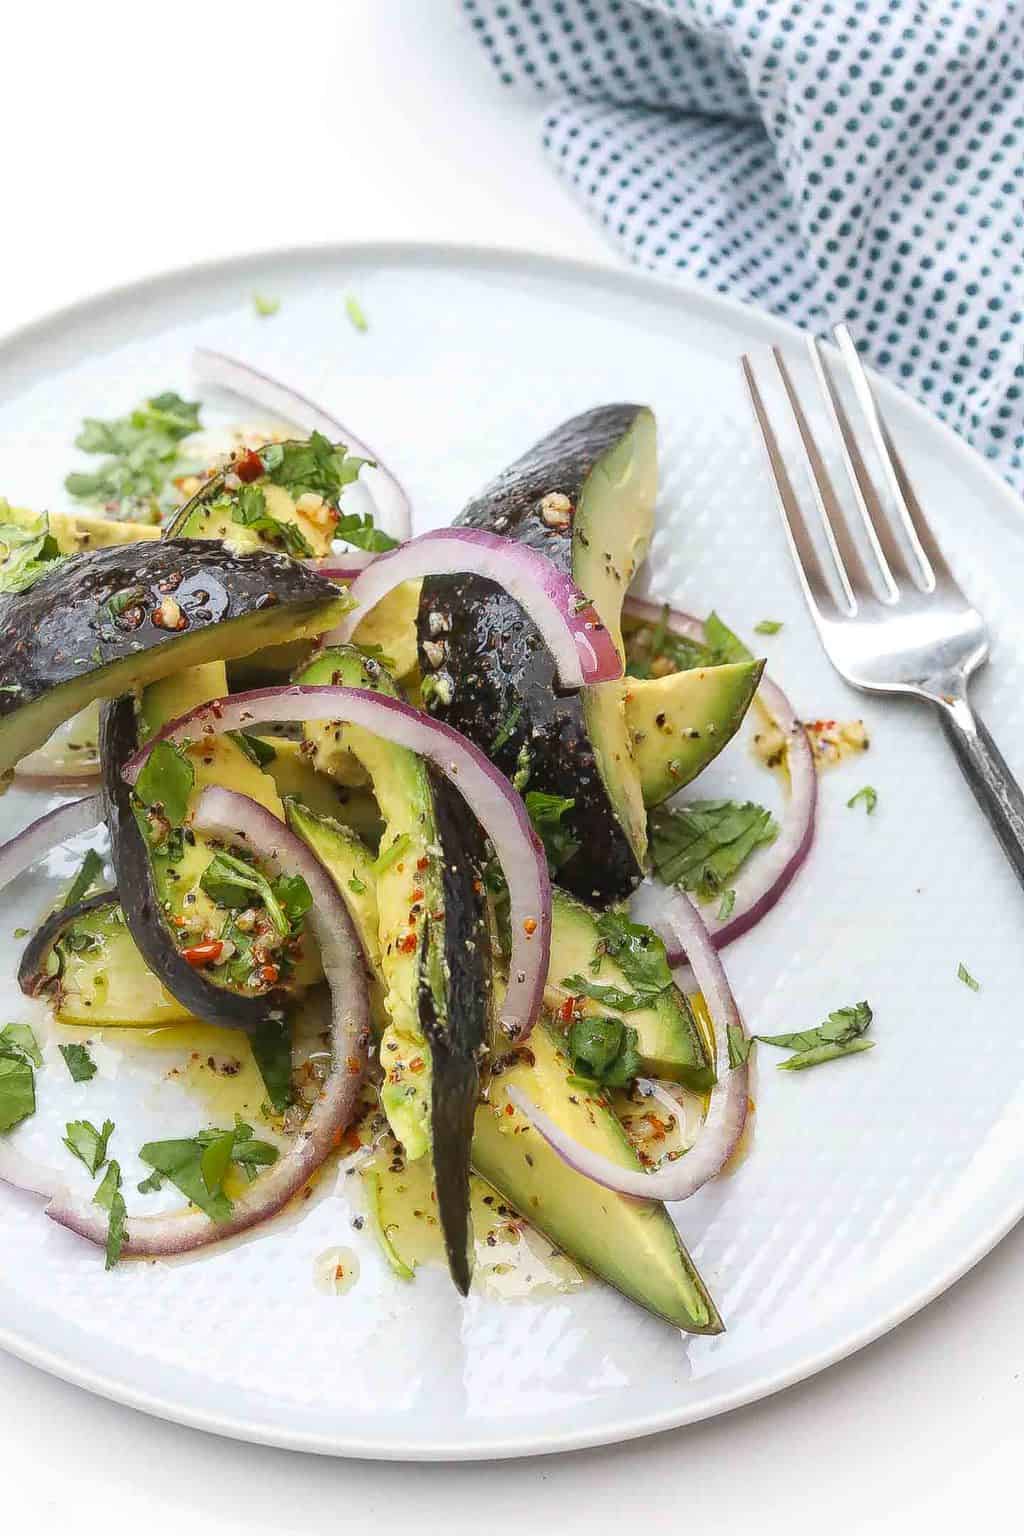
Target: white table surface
[(131, 147)]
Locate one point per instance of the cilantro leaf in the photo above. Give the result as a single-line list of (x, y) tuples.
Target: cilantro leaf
[(316, 465), (17, 1090), (110, 1199), (91, 867), (29, 563), (740, 1044), (546, 812), (721, 641), (271, 1045), (840, 1035), (88, 1144), (726, 905), (868, 795), (20, 1040), (265, 306), (197, 1165), (701, 846), (79, 1063), (637, 951), (610, 996), (142, 455), (249, 509), (767, 627), (506, 728), (604, 1050), (232, 883), (362, 532), (166, 780), (256, 748)]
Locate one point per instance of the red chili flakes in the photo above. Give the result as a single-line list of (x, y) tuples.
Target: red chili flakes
[(249, 466), (568, 1010), (203, 954), (417, 1064), (423, 863), (530, 926), (417, 893), (407, 944), (510, 1109), (269, 974)]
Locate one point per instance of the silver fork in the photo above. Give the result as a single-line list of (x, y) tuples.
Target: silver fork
[(919, 635)]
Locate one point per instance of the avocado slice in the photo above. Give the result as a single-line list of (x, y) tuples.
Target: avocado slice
[(297, 779), (630, 1243), (668, 1040), (679, 723), (82, 648), (434, 945), (584, 497), (75, 532), (104, 980)]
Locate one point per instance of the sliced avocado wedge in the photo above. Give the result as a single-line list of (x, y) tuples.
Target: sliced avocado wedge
[(76, 532), (104, 980), (679, 723), (434, 946), (632, 1244), (584, 497), (297, 779), (103, 623), (668, 1040)]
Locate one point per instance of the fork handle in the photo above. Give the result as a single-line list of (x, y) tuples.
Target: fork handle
[(988, 773)]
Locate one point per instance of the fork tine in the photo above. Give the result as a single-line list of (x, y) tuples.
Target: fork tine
[(847, 558), (914, 521), (805, 557)]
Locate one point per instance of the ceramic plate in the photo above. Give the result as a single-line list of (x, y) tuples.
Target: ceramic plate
[(870, 1184)]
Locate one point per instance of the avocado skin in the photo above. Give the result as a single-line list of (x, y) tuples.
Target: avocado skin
[(51, 631), (458, 1031), (499, 663)]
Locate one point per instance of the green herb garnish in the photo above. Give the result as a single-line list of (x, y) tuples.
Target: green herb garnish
[(21, 1040), (256, 749), (186, 1165), (361, 532), (603, 1051), (726, 904), (546, 812), (30, 562), (506, 728), (265, 306), (91, 867), (840, 1035), (722, 643), (166, 781), (739, 1043), (964, 975), (232, 883), (356, 886), (17, 1089), (354, 310), (271, 1044), (143, 455), (701, 846), (315, 465), (110, 1199), (249, 509), (868, 795), (767, 627), (88, 1144), (79, 1063), (637, 951)]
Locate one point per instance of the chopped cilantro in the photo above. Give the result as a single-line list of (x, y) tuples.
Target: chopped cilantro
[(604, 1051), (265, 306), (30, 559), (88, 1144), (79, 1063), (546, 812), (271, 1044), (21, 933), (142, 457), (356, 886), (17, 1089), (964, 975), (610, 996), (726, 905), (21, 1039), (767, 627), (110, 1199), (723, 644), (868, 795), (739, 1043), (232, 883), (361, 532), (700, 846), (637, 951), (354, 310), (187, 1166), (166, 781), (249, 509), (316, 465), (840, 1035), (90, 868), (506, 728), (256, 749)]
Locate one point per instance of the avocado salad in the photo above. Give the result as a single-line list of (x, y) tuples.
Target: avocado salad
[(399, 816)]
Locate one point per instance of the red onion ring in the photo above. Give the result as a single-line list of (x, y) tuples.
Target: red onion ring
[(386, 490), (344, 567), (759, 886), (39, 837), (238, 819), (489, 795), (583, 650), (727, 1103)]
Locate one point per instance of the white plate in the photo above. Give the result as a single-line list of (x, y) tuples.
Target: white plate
[(871, 1185)]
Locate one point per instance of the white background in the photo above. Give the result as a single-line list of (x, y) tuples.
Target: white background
[(143, 137)]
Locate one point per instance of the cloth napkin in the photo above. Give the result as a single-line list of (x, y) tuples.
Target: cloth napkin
[(858, 160)]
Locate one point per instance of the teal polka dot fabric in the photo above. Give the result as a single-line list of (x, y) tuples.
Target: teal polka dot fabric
[(858, 160)]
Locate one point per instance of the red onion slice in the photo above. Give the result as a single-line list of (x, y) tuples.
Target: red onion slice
[(39, 837), (240, 820), (344, 567), (489, 795), (386, 490), (583, 650), (760, 884), (727, 1103)]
